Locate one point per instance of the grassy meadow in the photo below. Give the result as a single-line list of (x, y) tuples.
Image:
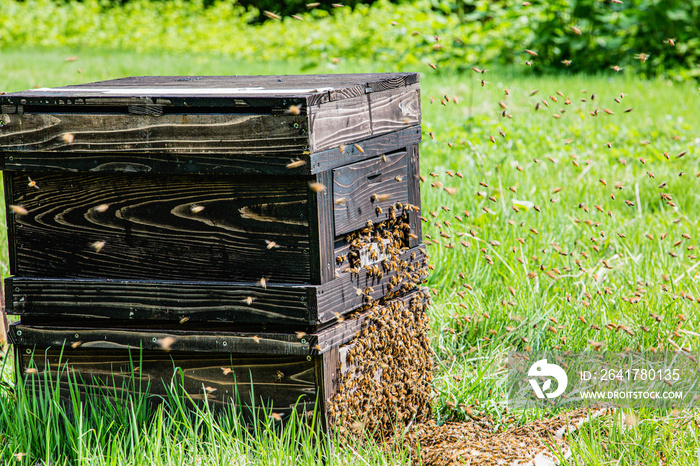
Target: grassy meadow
[(573, 224)]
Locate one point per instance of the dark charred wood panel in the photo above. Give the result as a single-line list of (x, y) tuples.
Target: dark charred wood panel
[(234, 133), (366, 149), (191, 163), (211, 228), (321, 227), (170, 340), (200, 90), (279, 382), (351, 120), (414, 196), (361, 189), (395, 109), (160, 301)]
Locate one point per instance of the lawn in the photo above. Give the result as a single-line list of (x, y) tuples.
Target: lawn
[(572, 225)]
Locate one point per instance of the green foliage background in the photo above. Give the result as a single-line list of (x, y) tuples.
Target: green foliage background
[(466, 33)]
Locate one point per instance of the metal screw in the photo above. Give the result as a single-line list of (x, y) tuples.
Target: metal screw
[(308, 358), (28, 351), (16, 290), (224, 343), (303, 341), (19, 333), (155, 340), (77, 336)]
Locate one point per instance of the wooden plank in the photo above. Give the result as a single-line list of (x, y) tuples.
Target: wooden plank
[(235, 133), (281, 382), (345, 122), (372, 147), (196, 90), (182, 340), (160, 301), (169, 302), (9, 220), (161, 227), (4, 324), (245, 163), (414, 196), (327, 379), (395, 109), (340, 122), (361, 189), (321, 228)]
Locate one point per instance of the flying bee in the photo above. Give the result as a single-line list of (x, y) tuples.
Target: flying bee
[(296, 163), (32, 183), (18, 209), (98, 245), (166, 343), (184, 319), (272, 15), (317, 187), (359, 148)]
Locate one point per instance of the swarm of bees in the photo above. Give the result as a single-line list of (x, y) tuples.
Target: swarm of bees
[(387, 372)]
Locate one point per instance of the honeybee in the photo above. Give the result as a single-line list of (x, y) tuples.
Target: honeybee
[(317, 187)]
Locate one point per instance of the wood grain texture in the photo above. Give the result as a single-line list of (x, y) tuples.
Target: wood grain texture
[(372, 147), (414, 196), (249, 134), (150, 230), (354, 119), (171, 340), (321, 229), (359, 190), (187, 90), (4, 324), (395, 109), (244, 163), (281, 382), (340, 122), (160, 301)]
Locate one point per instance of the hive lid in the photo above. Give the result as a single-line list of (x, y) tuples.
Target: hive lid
[(213, 90), (211, 124)]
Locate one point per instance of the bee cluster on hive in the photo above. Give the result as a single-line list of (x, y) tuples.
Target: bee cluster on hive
[(386, 370), (386, 374), (378, 249)]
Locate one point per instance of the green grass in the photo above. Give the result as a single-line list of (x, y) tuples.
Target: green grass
[(502, 309)]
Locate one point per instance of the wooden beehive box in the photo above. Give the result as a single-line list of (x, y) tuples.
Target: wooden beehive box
[(207, 200), (374, 367)]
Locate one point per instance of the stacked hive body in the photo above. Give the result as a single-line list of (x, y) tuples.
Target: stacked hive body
[(244, 229)]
